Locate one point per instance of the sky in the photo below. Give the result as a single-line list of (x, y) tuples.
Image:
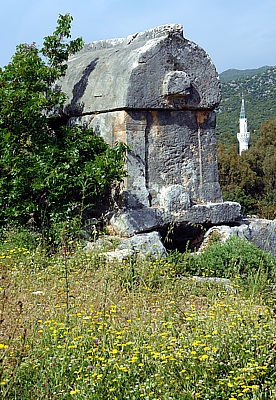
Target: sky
[(235, 33)]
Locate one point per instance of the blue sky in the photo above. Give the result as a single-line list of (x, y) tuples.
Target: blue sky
[(235, 33)]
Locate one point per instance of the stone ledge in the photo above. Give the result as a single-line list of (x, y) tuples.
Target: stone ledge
[(143, 220)]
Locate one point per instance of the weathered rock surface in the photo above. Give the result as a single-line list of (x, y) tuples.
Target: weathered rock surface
[(157, 92), (143, 220), (261, 232), (213, 282), (156, 69), (147, 244)]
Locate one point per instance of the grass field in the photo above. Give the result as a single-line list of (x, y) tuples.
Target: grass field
[(75, 327)]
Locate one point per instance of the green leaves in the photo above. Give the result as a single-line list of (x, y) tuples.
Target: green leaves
[(70, 167), (26, 84), (44, 169), (57, 48)]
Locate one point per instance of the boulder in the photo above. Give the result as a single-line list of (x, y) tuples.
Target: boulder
[(261, 232), (147, 245)]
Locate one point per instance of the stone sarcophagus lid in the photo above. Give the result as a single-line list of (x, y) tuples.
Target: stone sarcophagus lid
[(157, 92)]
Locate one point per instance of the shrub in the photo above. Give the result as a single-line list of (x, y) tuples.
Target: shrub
[(235, 257)]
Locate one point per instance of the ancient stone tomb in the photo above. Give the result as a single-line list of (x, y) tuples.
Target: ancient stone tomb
[(157, 92)]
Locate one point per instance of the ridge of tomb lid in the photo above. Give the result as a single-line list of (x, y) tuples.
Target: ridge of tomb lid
[(154, 33)]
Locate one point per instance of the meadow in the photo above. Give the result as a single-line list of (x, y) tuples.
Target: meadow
[(74, 326)]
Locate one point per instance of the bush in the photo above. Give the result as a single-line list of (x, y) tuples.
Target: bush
[(235, 257)]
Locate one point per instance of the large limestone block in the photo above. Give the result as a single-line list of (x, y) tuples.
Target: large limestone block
[(133, 222), (156, 69), (167, 148), (148, 244), (175, 198), (157, 92), (214, 213)]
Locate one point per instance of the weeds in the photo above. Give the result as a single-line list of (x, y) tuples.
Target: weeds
[(137, 329)]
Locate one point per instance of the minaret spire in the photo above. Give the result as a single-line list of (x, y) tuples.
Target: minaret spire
[(242, 113), (243, 136)]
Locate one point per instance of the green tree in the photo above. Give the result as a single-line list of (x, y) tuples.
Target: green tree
[(44, 167), (235, 171), (250, 178), (26, 83), (262, 156)]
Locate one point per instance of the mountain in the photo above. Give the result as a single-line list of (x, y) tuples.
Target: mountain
[(259, 89), (233, 74)]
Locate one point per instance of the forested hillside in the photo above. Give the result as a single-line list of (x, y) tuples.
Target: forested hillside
[(232, 74), (259, 89), (250, 178)]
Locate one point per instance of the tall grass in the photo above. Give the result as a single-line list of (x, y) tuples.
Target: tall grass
[(74, 326)]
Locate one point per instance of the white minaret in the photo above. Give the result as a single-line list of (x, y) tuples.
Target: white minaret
[(243, 135)]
